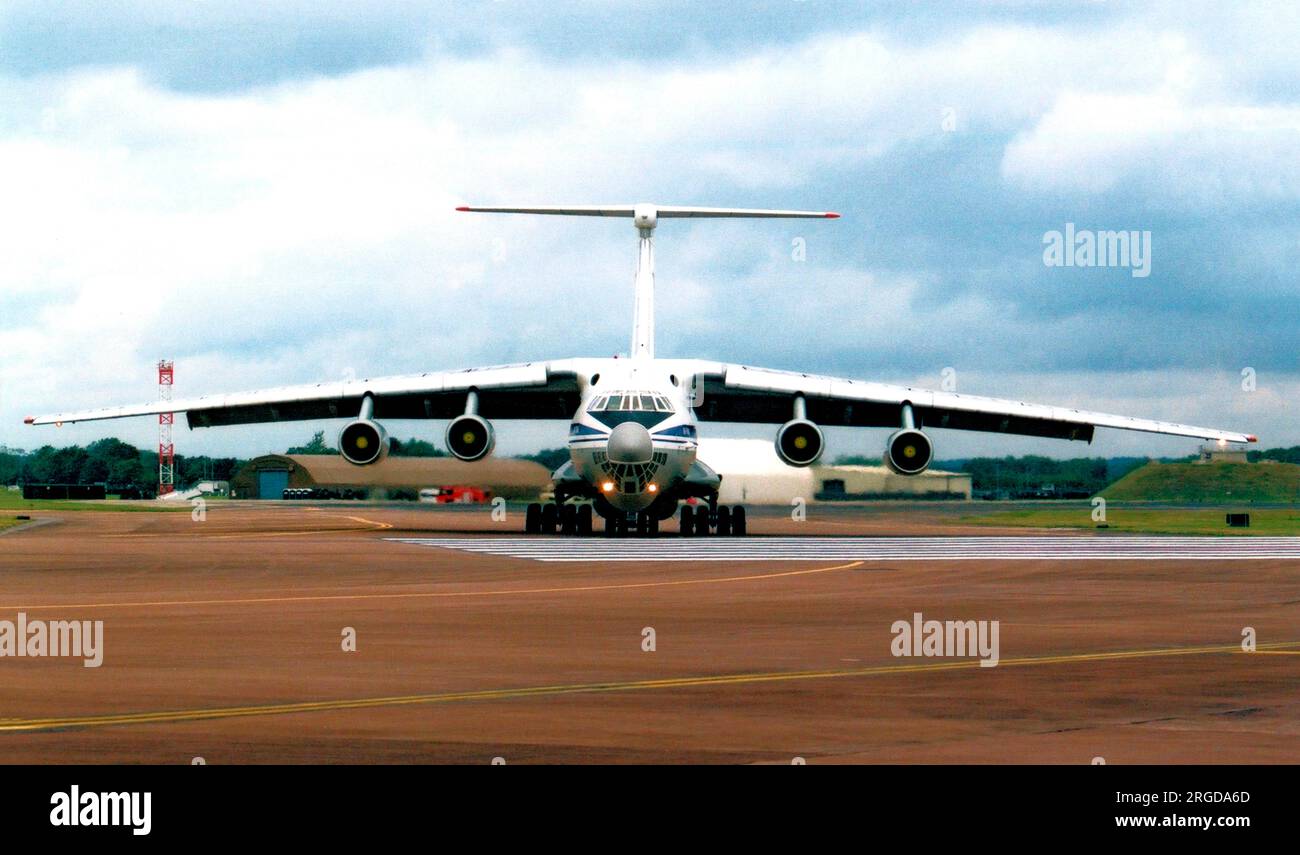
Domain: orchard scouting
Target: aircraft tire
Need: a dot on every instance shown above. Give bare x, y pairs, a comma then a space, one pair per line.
724, 520
550, 516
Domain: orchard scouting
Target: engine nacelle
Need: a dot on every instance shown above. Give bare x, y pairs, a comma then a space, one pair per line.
909, 452
363, 442
799, 442
470, 437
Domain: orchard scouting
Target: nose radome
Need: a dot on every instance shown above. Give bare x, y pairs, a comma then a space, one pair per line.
630, 443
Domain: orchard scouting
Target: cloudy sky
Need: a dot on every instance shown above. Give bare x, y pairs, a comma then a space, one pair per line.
265, 193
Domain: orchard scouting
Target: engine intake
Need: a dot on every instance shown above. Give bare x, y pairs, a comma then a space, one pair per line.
470, 437
909, 452
363, 442
799, 442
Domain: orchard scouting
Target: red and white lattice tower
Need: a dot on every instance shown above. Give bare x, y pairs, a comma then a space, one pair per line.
166, 450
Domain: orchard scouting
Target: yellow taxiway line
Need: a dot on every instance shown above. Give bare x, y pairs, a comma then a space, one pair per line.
20, 725
371, 525
501, 592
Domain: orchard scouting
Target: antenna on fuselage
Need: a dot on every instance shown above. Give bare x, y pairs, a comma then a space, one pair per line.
646, 217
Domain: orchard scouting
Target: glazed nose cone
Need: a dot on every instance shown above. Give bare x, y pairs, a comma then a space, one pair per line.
630, 443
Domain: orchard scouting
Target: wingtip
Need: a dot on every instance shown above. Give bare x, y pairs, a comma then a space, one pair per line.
831, 215
462, 207
1250, 437
30, 420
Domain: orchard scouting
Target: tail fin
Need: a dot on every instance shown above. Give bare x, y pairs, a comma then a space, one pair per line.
645, 217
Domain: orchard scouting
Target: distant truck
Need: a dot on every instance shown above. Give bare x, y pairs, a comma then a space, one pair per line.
456, 495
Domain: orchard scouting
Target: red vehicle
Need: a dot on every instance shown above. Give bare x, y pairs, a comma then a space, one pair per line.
456, 495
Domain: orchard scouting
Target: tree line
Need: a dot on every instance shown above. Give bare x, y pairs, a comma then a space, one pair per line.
121, 466
399, 448
118, 465
1030, 475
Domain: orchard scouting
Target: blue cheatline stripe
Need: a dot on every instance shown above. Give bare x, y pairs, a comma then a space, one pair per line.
1030, 548
602, 440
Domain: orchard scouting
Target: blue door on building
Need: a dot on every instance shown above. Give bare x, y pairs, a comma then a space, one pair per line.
271, 483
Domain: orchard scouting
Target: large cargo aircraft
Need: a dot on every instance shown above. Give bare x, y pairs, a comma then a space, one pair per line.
634, 421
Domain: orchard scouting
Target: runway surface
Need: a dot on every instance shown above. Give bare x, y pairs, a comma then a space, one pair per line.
222, 640
1026, 548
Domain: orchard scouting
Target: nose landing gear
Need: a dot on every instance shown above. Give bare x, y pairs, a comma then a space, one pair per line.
641, 524
577, 521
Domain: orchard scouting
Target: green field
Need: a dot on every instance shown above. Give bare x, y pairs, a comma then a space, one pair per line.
1214, 483
12, 500
1263, 521
7, 521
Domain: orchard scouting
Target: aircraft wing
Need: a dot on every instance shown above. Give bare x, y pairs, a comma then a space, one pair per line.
532, 390
739, 393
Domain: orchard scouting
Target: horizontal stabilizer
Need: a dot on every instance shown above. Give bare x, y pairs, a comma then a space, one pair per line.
660, 210
645, 217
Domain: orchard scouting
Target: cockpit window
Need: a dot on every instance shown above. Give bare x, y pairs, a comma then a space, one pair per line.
630, 402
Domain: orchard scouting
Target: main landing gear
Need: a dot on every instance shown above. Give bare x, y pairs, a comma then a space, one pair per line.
713, 519
551, 518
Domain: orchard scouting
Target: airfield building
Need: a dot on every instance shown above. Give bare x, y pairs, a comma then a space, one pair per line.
1228, 453
753, 474
269, 476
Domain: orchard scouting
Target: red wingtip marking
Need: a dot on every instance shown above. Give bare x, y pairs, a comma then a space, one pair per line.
832, 216
30, 420
463, 208
1250, 437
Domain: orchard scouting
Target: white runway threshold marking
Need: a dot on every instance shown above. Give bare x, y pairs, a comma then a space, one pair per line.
1086, 548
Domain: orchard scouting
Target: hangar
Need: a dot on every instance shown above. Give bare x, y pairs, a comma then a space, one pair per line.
268, 476
753, 474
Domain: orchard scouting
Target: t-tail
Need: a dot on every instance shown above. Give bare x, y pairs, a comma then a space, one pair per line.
645, 217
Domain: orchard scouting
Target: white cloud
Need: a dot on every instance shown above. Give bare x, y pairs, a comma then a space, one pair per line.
1161, 146
289, 232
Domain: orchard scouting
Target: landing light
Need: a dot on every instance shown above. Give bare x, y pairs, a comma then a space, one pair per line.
653, 488
608, 486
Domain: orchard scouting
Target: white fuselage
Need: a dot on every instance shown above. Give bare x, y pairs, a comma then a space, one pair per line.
661, 404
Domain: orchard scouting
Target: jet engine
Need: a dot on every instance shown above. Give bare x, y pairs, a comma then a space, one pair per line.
470, 437
799, 442
363, 442
908, 452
